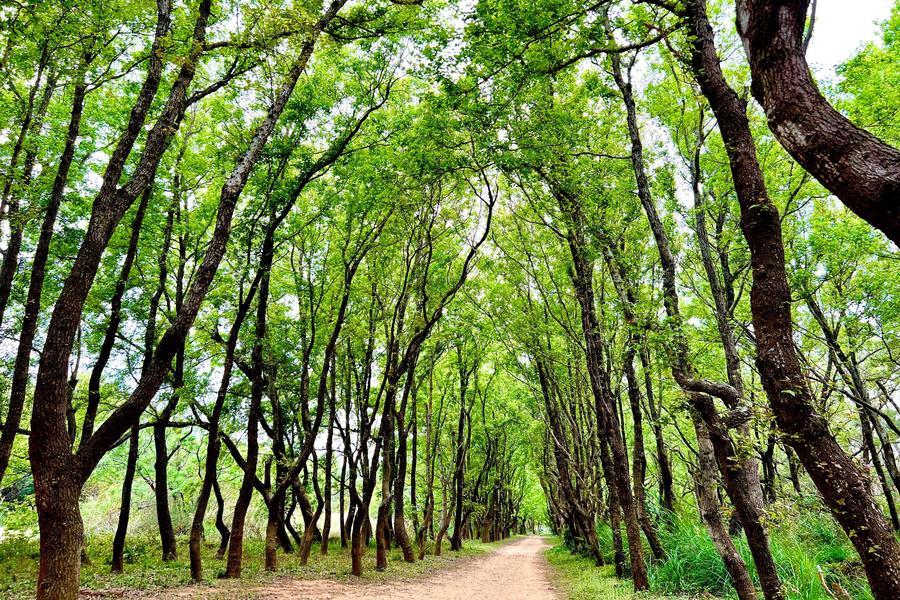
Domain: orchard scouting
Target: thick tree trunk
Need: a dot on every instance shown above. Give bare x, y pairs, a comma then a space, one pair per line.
844, 488
49, 442
859, 168
62, 537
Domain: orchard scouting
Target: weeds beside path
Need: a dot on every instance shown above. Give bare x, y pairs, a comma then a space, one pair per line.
578, 578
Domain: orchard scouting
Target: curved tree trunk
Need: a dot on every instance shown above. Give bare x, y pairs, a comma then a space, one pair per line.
708, 503
856, 166
844, 488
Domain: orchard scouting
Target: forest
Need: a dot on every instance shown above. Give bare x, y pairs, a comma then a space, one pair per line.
400, 298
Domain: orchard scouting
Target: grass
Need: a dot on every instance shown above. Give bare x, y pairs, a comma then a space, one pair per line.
803, 543
579, 579
144, 569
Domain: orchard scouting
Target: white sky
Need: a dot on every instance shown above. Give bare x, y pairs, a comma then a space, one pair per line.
843, 27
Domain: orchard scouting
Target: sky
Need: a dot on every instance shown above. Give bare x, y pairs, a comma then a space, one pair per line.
843, 27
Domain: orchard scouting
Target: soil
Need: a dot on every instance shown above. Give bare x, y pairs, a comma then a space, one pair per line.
515, 571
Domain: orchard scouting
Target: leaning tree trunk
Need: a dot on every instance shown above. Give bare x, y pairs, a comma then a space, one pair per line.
740, 475
708, 503
857, 167
844, 488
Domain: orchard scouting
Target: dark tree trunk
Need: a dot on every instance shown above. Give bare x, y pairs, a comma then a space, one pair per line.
859, 168
400, 534
161, 491
58, 478
844, 488
708, 503
10, 197
257, 383
19, 384
118, 546
607, 418
329, 459
115, 315
459, 464
740, 475
666, 479
224, 533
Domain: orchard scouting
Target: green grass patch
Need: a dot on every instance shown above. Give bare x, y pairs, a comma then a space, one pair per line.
577, 578
804, 543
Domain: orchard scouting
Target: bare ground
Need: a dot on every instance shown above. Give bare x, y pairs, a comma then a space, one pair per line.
515, 571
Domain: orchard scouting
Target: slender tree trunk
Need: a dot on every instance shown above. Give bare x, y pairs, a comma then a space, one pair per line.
329, 459
400, 533
607, 418
663, 466
19, 386
639, 459
236, 542
741, 476
115, 316
224, 533
11, 193
459, 465
708, 503
161, 491
118, 546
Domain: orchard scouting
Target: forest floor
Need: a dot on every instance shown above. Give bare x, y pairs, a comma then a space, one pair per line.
514, 570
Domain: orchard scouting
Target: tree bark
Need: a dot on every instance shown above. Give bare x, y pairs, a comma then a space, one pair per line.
843, 486
708, 503
118, 546
741, 476
19, 386
860, 169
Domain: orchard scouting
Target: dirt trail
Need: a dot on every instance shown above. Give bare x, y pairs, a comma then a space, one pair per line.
515, 571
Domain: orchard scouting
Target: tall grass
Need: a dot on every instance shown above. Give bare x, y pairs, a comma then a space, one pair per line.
802, 543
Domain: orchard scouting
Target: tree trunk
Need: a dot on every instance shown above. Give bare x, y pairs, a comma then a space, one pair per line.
19, 385
708, 503
853, 164
400, 534
161, 492
843, 487
740, 476
118, 546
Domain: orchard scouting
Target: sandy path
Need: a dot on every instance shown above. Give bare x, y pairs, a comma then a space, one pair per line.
515, 571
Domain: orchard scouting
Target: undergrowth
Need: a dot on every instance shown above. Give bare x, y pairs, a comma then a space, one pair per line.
802, 545
145, 570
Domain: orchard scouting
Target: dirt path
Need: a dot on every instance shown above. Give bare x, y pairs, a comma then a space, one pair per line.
515, 571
